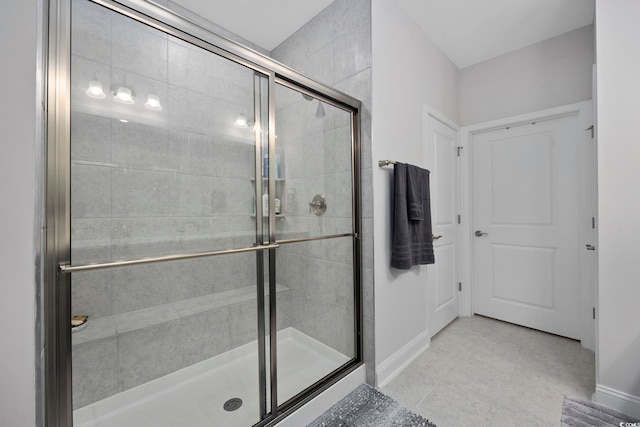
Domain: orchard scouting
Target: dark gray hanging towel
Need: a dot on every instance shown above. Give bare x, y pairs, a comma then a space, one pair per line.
412, 238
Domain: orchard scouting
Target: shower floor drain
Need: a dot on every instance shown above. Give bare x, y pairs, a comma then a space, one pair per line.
232, 404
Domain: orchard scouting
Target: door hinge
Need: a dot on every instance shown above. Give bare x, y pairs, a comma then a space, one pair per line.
591, 248
593, 222
592, 129
459, 286
594, 312
459, 220
459, 148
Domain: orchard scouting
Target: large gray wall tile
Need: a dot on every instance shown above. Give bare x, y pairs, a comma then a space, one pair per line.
234, 83
244, 323
140, 146
352, 52
349, 14
94, 371
191, 67
318, 32
139, 193
91, 294
205, 335
91, 191
149, 353
90, 240
143, 286
138, 48
322, 62
90, 138
191, 111
91, 31
367, 243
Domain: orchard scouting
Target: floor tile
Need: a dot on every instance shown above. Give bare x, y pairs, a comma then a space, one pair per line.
481, 371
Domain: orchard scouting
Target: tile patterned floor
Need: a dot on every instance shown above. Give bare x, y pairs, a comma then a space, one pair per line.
484, 372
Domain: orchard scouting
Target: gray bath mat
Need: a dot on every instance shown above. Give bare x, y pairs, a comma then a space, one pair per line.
582, 413
367, 407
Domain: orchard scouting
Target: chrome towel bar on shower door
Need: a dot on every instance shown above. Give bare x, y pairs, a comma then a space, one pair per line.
65, 268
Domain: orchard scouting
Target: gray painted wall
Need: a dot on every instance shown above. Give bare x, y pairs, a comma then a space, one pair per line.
18, 228
548, 74
409, 72
618, 102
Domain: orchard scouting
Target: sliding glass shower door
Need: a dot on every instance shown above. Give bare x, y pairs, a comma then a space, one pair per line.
206, 228
164, 137
314, 154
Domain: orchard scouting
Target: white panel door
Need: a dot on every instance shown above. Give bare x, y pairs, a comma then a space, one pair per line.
526, 225
442, 277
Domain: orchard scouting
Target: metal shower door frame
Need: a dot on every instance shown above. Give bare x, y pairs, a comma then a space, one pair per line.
58, 399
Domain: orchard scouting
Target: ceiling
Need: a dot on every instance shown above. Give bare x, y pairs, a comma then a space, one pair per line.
472, 31
467, 31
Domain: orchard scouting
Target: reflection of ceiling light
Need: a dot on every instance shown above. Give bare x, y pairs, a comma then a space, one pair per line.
124, 120
95, 90
241, 122
153, 102
124, 95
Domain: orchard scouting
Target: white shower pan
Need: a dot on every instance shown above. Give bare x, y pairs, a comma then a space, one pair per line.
195, 396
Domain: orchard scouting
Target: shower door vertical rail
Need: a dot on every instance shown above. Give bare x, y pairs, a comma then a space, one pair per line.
273, 326
357, 228
321, 232
260, 239
262, 373
56, 292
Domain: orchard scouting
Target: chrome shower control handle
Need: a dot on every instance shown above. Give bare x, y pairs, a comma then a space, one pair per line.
318, 205
479, 233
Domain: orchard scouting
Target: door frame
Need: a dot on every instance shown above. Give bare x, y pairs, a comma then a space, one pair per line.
437, 115
587, 208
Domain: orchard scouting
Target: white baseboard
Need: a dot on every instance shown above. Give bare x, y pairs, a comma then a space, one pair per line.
620, 401
390, 368
325, 400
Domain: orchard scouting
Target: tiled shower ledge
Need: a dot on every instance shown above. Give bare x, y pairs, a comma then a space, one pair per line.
105, 327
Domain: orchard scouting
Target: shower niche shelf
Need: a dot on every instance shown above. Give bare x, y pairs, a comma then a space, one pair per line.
280, 191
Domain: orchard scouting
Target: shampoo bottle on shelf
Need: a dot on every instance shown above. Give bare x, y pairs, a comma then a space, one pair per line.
265, 203
265, 166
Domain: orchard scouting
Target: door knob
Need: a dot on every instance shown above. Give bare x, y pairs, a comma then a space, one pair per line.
435, 237
480, 233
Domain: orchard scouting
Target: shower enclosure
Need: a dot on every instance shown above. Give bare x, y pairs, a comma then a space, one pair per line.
203, 225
